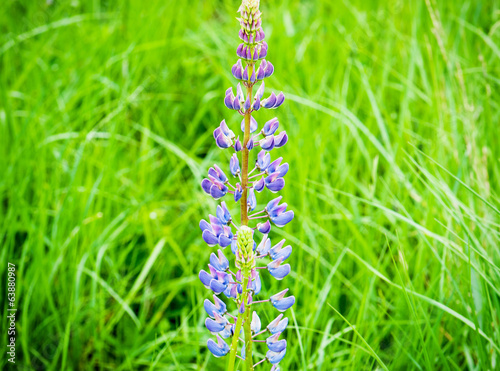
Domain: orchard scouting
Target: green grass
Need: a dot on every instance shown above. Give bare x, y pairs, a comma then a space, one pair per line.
106, 116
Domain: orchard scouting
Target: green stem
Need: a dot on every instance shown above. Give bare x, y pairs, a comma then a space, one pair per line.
245, 318
234, 343
248, 339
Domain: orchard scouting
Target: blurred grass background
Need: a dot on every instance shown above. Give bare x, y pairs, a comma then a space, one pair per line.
106, 116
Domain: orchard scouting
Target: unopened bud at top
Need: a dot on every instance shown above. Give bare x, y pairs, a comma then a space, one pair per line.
250, 4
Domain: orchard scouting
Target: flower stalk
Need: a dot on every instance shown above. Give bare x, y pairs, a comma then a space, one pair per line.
241, 287
245, 155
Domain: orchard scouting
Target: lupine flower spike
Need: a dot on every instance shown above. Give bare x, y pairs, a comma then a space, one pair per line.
236, 328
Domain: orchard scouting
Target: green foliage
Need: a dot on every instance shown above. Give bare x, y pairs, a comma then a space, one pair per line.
106, 116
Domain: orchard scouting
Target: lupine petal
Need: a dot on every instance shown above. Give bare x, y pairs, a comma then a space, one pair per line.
238, 192
273, 203
263, 52
224, 241
234, 165
236, 104
227, 332
264, 246
282, 253
261, 73
219, 306
250, 144
283, 218
279, 296
264, 228
267, 143
234, 246
217, 286
223, 213
270, 127
215, 222
283, 169
258, 185
225, 129
223, 142
281, 139
256, 104
252, 201
217, 132
228, 101
205, 278
274, 357
260, 91
248, 104
272, 178
237, 145
280, 272
214, 326
255, 56
210, 238
257, 285
283, 304
239, 93
217, 193
269, 102
205, 225
273, 166
278, 325
231, 291
277, 346
239, 50
255, 325
269, 69
206, 184
278, 210
236, 71
279, 100
219, 262
245, 74
218, 349
263, 160
252, 77
277, 185
274, 344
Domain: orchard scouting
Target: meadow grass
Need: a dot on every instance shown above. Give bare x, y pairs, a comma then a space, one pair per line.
106, 116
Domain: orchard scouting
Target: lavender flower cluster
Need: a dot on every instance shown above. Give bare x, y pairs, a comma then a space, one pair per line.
244, 284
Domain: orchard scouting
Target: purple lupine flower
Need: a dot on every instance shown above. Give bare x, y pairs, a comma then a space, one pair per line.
277, 270
280, 302
274, 344
256, 325
263, 160
278, 325
270, 127
217, 324
278, 251
264, 246
218, 349
274, 357
264, 228
218, 307
277, 213
244, 286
